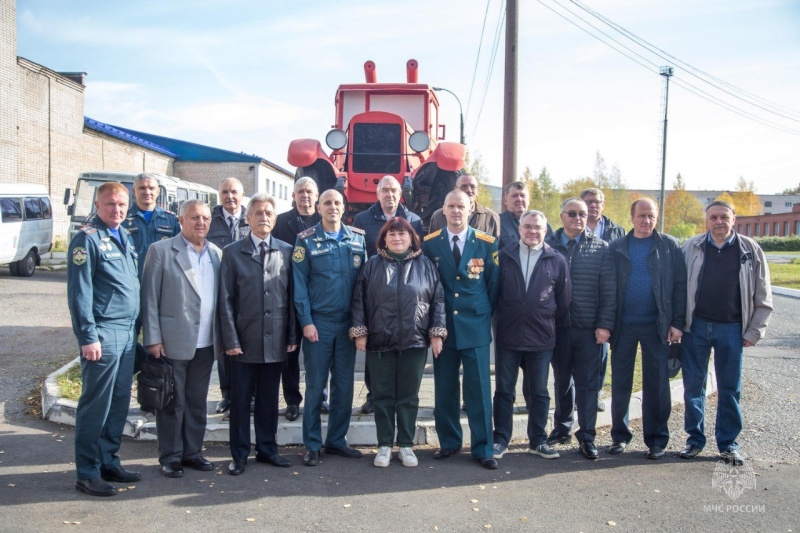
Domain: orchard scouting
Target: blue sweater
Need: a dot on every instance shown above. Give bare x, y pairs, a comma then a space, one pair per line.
640, 306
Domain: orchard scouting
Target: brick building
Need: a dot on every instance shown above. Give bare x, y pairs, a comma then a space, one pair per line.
777, 225
46, 139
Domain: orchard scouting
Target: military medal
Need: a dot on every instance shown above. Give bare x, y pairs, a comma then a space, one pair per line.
474, 268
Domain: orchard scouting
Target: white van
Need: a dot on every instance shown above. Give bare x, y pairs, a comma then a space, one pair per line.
172, 193
26, 226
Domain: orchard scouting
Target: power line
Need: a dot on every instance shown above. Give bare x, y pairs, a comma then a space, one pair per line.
495, 48
725, 87
685, 84
478, 57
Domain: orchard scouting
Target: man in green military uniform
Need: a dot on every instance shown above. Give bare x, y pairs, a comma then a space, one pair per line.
327, 259
103, 298
147, 223
467, 261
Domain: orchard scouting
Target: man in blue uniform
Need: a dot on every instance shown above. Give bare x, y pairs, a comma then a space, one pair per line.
147, 223
327, 259
467, 261
103, 298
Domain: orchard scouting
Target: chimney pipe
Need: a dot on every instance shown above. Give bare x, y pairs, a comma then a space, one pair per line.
369, 72
412, 74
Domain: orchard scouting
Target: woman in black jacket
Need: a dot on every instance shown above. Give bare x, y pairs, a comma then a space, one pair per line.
398, 311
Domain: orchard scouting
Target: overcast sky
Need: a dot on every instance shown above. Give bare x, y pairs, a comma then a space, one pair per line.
253, 75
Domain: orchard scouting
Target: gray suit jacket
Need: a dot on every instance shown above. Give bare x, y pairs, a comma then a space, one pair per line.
170, 298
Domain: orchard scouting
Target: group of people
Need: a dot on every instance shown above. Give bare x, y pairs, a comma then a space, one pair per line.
249, 287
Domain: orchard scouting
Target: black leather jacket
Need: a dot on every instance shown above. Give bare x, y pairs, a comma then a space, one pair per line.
398, 305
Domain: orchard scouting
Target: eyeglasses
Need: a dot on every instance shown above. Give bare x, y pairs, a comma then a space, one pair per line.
573, 214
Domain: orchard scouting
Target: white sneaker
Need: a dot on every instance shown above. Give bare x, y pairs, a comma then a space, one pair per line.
384, 457
407, 456
498, 450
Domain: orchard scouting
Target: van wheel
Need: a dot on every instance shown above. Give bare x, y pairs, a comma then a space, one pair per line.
26, 266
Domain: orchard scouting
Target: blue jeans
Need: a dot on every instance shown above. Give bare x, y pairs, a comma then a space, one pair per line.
335, 354
726, 339
576, 366
656, 402
537, 366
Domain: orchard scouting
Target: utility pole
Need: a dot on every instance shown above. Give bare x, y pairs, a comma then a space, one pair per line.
666, 72
510, 95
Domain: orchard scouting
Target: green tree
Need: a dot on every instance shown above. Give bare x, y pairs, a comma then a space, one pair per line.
545, 197
683, 213
796, 190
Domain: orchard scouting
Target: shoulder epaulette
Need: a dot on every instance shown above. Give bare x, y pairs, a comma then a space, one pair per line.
430, 236
88, 229
484, 236
306, 233
357, 230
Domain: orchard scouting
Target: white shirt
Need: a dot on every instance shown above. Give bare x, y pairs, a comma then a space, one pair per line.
462, 238
528, 257
204, 275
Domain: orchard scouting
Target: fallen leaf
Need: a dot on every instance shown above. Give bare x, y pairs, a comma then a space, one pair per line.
66, 521
250, 519
346, 505
131, 487
487, 526
656, 490
475, 509
612, 523
121, 489
77, 523
12, 484
436, 528
508, 472
473, 501
523, 518
480, 487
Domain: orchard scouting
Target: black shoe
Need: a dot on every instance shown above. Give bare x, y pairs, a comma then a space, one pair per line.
489, 462
198, 463
326, 408
95, 487
172, 470
117, 474
223, 406
690, 452
656, 452
236, 468
292, 412
588, 450
311, 458
367, 408
554, 440
274, 460
732, 457
444, 453
344, 451
617, 448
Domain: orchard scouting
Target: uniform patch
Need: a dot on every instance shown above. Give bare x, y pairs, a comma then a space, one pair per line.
356, 261
89, 229
474, 268
430, 236
496, 258
307, 233
484, 236
79, 255
357, 230
299, 254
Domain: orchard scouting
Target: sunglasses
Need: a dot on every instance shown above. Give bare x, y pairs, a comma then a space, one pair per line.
573, 214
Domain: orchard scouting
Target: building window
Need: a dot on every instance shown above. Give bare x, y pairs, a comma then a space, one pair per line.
747, 231
755, 229
786, 229
776, 229
766, 229
788, 204
767, 204
797, 227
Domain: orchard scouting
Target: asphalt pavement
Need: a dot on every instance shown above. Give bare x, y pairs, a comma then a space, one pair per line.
527, 493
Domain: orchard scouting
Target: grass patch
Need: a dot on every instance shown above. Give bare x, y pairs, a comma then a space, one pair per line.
59, 245
786, 275
69, 383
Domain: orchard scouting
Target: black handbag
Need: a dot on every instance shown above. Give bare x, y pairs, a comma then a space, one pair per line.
155, 384
674, 360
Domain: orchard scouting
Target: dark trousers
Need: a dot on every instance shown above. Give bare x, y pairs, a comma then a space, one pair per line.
397, 375
576, 364
104, 402
601, 379
367, 380
507, 365
333, 354
263, 380
477, 396
181, 430
224, 373
290, 376
656, 402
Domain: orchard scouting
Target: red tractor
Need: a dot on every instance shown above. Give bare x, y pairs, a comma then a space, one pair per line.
384, 129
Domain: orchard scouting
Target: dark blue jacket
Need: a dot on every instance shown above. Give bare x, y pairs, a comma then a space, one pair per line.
162, 225
668, 274
526, 316
373, 219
